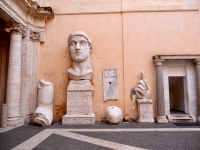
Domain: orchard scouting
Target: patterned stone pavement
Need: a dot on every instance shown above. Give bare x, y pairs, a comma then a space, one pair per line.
102, 136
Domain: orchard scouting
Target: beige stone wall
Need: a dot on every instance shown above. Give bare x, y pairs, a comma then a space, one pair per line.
105, 31
123, 39
155, 33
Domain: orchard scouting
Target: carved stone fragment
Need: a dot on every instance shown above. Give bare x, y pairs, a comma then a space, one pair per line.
34, 36
141, 93
80, 46
44, 110
79, 91
114, 114
110, 84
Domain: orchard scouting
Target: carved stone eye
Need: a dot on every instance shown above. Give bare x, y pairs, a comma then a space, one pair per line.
82, 42
73, 43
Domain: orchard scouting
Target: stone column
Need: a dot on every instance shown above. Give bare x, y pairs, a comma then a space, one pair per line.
14, 74
4, 115
161, 117
198, 85
29, 74
24, 69
34, 44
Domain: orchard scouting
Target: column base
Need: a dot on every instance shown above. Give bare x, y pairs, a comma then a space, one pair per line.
78, 119
161, 119
198, 119
14, 122
29, 119
145, 120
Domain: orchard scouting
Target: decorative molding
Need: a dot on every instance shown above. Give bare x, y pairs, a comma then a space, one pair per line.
26, 12
36, 9
197, 61
121, 6
34, 36
16, 28
158, 62
191, 57
159, 5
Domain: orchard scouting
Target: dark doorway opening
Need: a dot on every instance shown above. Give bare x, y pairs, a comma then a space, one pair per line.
176, 95
4, 53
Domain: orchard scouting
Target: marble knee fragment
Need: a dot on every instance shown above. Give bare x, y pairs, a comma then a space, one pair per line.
44, 110
114, 114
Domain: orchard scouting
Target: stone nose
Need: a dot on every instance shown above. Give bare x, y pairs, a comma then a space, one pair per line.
78, 46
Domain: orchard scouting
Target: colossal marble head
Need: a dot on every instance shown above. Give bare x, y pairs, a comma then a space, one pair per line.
80, 46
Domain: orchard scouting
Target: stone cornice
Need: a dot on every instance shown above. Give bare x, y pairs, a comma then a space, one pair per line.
17, 10
121, 6
170, 57
9, 14
34, 8
197, 61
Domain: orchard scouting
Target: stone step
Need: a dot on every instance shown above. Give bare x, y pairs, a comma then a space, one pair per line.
181, 118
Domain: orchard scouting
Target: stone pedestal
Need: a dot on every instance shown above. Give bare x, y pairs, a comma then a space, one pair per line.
145, 110
79, 104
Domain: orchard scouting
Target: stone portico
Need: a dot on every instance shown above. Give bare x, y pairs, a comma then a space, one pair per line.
25, 21
187, 67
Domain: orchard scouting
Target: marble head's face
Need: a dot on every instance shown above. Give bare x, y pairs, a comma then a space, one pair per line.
79, 48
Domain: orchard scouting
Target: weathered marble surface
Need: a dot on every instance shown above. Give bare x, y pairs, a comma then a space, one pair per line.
142, 89
44, 110
145, 110
79, 103
79, 91
110, 84
114, 114
80, 46
14, 73
141, 93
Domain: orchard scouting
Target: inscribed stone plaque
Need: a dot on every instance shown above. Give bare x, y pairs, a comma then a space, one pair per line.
145, 110
110, 85
79, 102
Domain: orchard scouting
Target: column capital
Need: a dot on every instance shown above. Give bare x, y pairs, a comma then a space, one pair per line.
197, 61
34, 36
158, 62
16, 28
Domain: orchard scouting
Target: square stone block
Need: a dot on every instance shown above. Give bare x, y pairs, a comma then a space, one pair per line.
79, 104
78, 119
145, 110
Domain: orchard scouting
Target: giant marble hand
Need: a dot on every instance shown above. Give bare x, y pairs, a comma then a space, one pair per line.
80, 46
142, 89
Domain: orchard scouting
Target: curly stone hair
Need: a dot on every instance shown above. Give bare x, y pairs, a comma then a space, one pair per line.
80, 33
